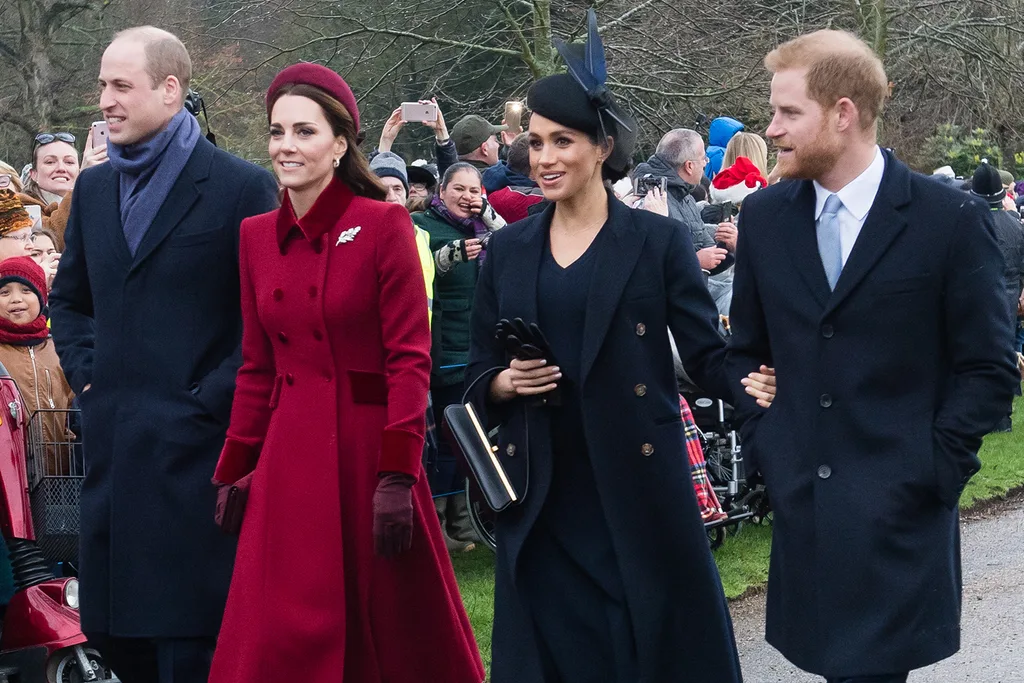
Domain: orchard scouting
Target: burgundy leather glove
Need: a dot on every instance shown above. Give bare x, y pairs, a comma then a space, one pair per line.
231, 502
392, 514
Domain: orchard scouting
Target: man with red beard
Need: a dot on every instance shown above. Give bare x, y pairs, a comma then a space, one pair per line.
871, 290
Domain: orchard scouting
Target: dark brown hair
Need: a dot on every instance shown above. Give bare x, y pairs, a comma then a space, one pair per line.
354, 169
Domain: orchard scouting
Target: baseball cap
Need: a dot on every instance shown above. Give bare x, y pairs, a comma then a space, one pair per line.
472, 131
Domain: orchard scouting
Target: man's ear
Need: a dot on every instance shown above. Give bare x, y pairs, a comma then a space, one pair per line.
172, 91
848, 115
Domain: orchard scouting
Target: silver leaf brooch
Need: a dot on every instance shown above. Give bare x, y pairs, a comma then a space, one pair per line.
348, 235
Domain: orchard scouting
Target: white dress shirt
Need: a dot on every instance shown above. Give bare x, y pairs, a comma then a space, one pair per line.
857, 198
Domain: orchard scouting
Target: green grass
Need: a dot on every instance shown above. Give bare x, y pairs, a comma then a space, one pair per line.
743, 559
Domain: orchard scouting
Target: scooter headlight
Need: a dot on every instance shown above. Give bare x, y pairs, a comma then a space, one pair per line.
71, 593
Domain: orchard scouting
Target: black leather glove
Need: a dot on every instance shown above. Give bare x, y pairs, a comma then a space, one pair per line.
527, 342
393, 514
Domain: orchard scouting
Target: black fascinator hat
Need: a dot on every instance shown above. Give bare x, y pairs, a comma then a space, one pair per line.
580, 99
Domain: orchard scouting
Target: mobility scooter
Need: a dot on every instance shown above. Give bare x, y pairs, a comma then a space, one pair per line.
41, 473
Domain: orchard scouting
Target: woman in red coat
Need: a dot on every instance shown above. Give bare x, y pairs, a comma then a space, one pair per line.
341, 573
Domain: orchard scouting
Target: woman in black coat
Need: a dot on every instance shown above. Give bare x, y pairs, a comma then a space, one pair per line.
603, 570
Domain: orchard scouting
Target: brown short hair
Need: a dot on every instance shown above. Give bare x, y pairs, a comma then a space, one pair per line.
839, 64
165, 55
354, 169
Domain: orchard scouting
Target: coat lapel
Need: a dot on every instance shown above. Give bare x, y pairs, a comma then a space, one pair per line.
883, 224
801, 238
617, 256
519, 284
182, 197
111, 216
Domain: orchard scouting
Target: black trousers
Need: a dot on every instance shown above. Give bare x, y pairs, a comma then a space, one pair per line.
886, 678
156, 660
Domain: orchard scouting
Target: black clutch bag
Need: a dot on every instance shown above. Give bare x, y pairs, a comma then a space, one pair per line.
481, 455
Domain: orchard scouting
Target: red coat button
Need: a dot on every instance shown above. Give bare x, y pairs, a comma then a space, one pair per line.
278, 294
283, 337
290, 379
312, 292
318, 335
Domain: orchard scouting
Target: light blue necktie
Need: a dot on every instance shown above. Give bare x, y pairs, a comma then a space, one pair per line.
829, 246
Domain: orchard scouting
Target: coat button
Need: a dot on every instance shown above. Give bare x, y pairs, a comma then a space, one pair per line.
278, 294
328, 376
290, 379
318, 246
312, 292
827, 331
318, 335
641, 329
640, 390
826, 401
824, 472
647, 449
510, 450
283, 337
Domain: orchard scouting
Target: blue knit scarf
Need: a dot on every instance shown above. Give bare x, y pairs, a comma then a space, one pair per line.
148, 171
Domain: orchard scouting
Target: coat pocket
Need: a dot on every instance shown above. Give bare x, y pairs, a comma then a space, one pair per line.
368, 388
275, 393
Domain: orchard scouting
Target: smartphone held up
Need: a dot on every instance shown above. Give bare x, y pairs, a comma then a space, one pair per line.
419, 112
514, 117
99, 134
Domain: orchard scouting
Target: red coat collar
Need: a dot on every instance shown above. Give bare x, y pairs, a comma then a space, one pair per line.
319, 220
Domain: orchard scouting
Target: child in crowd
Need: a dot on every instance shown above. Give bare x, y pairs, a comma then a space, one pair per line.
27, 353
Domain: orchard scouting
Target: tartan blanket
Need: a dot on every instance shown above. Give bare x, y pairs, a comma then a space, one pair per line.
707, 501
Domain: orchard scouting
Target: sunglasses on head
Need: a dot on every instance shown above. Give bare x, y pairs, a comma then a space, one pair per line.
47, 138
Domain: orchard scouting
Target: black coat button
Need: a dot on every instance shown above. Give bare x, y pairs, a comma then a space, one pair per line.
641, 329
824, 472
827, 331
640, 390
511, 450
826, 401
647, 450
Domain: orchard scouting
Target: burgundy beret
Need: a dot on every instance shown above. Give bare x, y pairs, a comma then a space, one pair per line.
319, 77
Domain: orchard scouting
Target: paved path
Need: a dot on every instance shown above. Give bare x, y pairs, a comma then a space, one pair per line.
992, 650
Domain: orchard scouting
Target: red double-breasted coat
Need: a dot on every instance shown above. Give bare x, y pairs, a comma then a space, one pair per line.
332, 391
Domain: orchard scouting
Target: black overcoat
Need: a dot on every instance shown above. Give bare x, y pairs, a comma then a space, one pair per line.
646, 282
886, 386
157, 336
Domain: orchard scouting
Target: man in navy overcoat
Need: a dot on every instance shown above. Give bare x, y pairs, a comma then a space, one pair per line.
877, 295
147, 322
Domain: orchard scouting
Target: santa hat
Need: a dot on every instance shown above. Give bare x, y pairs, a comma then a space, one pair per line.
736, 182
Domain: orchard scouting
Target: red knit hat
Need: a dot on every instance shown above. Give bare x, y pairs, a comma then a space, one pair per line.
736, 182
26, 271
319, 77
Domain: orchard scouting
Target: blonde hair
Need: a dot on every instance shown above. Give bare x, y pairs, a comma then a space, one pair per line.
839, 64
7, 169
165, 55
749, 145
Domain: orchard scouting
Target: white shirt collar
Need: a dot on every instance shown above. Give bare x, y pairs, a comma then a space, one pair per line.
859, 194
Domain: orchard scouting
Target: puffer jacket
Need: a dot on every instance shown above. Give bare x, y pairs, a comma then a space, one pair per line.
453, 302
36, 370
681, 206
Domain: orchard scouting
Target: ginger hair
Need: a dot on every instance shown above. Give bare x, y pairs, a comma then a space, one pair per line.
839, 64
